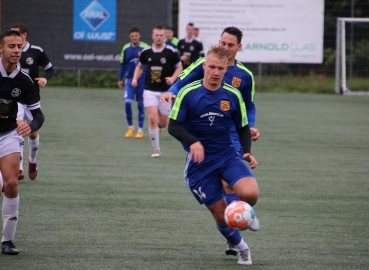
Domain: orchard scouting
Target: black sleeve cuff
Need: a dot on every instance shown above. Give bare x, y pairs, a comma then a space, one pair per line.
177, 131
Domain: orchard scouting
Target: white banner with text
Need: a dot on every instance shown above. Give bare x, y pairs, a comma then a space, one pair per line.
274, 31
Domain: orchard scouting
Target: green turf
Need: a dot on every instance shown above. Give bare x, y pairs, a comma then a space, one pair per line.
101, 202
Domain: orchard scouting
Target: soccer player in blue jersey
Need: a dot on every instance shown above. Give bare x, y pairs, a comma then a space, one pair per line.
201, 119
129, 59
239, 77
169, 37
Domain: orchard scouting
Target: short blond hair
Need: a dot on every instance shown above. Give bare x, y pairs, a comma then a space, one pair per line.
219, 52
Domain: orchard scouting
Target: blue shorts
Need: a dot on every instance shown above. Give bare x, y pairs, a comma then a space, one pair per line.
204, 179
130, 92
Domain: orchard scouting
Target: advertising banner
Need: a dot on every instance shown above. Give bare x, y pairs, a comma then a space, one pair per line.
94, 20
274, 31
85, 34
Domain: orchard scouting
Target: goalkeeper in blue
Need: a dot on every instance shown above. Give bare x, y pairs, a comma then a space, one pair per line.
239, 77
202, 117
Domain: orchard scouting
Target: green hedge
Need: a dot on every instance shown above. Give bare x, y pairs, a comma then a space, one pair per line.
312, 83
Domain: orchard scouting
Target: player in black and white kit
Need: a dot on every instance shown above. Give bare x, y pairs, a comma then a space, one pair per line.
190, 49
32, 58
15, 86
163, 66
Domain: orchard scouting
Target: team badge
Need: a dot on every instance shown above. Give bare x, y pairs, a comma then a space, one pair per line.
192, 48
29, 60
225, 105
16, 92
163, 60
236, 82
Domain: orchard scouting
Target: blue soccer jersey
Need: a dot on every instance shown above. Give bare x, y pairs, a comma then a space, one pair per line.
209, 115
237, 75
129, 59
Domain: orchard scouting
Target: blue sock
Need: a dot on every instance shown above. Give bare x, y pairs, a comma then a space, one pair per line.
231, 197
141, 114
232, 236
129, 113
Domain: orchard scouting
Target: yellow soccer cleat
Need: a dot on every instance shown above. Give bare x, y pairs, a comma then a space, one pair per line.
130, 132
139, 135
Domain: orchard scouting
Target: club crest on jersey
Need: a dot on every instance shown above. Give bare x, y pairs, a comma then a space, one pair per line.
29, 60
16, 92
225, 105
192, 48
236, 82
163, 60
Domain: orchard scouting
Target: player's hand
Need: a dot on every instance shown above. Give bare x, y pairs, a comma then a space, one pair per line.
184, 58
23, 128
197, 152
168, 97
169, 80
254, 134
251, 160
120, 84
134, 83
41, 81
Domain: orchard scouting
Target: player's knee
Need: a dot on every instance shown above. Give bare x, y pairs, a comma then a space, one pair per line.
248, 191
33, 135
11, 187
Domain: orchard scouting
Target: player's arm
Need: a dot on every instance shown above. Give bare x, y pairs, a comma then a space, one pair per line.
173, 78
248, 95
201, 50
25, 129
45, 63
38, 119
137, 74
245, 138
176, 129
122, 68
244, 134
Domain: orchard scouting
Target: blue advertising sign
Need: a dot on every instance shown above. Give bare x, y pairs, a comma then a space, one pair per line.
94, 20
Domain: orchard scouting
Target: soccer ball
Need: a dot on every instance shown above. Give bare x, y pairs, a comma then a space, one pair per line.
239, 215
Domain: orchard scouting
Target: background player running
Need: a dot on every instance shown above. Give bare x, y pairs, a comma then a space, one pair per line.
163, 66
129, 58
33, 57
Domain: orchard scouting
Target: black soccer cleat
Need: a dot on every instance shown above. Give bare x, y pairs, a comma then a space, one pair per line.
8, 248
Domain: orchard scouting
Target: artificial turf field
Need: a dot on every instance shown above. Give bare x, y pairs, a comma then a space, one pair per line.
101, 202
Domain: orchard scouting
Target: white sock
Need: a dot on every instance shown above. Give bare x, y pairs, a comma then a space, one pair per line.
154, 136
242, 245
21, 155
140, 130
33, 148
10, 218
